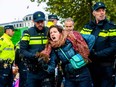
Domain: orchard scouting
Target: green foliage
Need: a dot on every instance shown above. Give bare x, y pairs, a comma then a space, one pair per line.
1, 31
79, 10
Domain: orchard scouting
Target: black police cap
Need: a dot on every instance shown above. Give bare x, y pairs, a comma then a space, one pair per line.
99, 5
38, 16
53, 17
9, 27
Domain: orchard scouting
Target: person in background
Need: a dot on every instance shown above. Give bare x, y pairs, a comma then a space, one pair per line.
104, 49
52, 20
69, 25
7, 55
71, 44
33, 41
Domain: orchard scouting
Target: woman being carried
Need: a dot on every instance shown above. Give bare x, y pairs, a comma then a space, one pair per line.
63, 44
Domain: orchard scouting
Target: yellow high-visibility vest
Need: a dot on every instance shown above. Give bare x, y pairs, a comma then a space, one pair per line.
6, 48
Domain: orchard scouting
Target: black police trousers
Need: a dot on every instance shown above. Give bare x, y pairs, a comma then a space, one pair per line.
6, 77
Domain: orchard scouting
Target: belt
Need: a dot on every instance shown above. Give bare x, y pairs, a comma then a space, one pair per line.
1, 59
5, 63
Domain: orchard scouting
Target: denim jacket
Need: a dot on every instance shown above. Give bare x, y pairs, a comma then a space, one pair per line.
68, 49
90, 40
56, 54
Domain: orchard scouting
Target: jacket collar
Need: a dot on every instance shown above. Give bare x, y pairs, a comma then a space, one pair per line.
100, 23
6, 36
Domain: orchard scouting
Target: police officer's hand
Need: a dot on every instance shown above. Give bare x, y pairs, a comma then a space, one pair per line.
42, 63
37, 55
43, 56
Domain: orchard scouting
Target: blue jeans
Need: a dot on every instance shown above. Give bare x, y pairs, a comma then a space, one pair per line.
80, 78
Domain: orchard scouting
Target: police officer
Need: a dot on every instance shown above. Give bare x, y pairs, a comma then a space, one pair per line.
52, 20
32, 42
103, 52
7, 55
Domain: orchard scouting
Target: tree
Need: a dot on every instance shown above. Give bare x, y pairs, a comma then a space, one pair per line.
79, 10
1, 31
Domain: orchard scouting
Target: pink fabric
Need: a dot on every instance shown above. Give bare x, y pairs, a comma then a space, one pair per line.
16, 83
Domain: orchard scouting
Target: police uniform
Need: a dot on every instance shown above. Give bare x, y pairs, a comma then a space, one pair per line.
103, 52
7, 55
34, 41
50, 20
20, 62
52, 17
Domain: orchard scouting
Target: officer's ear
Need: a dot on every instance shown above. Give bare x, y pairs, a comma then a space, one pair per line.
93, 13
32, 20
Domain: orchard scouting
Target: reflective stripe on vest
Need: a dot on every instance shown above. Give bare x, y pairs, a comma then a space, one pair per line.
105, 33
26, 37
102, 33
86, 31
35, 40
8, 49
38, 40
112, 32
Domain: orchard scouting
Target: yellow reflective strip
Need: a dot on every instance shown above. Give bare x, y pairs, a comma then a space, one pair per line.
34, 37
86, 31
112, 32
26, 37
44, 41
17, 47
38, 41
35, 42
103, 34
38, 37
26, 34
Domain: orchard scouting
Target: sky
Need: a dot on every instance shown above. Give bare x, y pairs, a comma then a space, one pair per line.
14, 10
